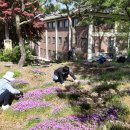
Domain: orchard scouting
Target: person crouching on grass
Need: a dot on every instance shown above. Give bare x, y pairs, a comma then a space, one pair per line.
61, 74
7, 92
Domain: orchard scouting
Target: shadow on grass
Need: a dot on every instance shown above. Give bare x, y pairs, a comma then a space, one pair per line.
102, 72
74, 97
119, 127
106, 87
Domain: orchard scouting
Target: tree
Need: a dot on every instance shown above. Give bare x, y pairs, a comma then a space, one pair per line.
67, 10
21, 12
67, 7
109, 11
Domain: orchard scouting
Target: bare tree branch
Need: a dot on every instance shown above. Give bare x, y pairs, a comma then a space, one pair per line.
28, 4
31, 3
28, 21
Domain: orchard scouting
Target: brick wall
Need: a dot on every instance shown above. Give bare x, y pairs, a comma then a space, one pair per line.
100, 43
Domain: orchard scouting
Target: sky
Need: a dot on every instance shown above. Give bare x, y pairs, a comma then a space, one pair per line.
61, 5
54, 1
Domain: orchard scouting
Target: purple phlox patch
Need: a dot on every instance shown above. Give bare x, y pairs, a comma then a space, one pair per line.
29, 104
19, 81
38, 71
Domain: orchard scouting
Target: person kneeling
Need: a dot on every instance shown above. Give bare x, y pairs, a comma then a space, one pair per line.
7, 92
61, 74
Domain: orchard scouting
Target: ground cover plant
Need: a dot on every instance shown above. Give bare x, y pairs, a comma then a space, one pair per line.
100, 101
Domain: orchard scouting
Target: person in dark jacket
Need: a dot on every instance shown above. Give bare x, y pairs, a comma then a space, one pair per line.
61, 74
121, 59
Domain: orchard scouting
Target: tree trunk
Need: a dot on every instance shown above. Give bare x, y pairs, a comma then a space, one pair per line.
74, 43
72, 38
21, 43
70, 32
6, 30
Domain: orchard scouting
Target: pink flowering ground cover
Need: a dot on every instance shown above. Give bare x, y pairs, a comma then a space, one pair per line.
88, 122
39, 93
19, 83
38, 71
33, 99
29, 104
63, 123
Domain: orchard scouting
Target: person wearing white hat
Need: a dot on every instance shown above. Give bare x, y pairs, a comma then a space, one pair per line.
7, 92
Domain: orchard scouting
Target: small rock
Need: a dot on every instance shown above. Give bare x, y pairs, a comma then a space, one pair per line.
90, 101
100, 101
8, 65
112, 92
94, 94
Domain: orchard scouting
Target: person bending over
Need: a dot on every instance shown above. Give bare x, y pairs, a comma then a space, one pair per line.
7, 92
61, 74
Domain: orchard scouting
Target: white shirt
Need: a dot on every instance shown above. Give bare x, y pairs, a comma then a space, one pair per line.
5, 85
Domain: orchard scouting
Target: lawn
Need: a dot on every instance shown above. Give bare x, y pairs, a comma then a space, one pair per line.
99, 102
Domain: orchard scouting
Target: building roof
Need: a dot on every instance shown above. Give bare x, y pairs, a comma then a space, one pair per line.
53, 16
58, 15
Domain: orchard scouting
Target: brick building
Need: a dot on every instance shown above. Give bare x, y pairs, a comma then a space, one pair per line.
90, 40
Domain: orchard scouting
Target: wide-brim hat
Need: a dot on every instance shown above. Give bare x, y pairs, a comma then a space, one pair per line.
9, 76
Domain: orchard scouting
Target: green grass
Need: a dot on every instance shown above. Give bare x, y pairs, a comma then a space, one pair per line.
22, 115
117, 126
50, 97
120, 76
32, 123
115, 101
17, 73
105, 87
66, 111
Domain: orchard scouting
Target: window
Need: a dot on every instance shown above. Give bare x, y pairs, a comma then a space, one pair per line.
44, 39
111, 41
60, 40
66, 40
44, 52
110, 44
53, 24
49, 53
49, 40
75, 21
66, 22
49, 25
54, 54
41, 52
53, 40
60, 23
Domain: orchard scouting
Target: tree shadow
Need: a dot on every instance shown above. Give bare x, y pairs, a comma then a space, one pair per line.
109, 71
73, 94
105, 87
84, 102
